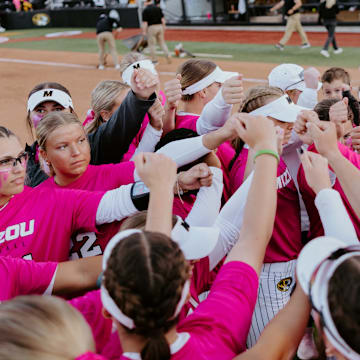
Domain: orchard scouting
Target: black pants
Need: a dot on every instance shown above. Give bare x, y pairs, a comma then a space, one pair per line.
330, 27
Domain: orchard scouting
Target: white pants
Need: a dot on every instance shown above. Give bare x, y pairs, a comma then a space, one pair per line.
276, 283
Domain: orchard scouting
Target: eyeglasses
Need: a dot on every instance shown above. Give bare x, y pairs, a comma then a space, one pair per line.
301, 76
9, 163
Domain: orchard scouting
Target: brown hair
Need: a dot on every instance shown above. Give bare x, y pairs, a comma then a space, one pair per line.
103, 97
336, 73
145, 275
45, 85
343, 297
42, 327
50, 123
256, 97
192, 71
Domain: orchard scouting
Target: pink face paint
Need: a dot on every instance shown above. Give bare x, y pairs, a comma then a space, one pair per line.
36, 118
4, 175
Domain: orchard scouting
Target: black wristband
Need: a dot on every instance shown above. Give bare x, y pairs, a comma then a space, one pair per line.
140, 195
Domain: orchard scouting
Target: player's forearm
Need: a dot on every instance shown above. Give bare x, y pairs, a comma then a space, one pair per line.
277, 6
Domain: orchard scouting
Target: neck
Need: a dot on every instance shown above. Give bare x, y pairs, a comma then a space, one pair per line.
64, 180
135, 343
195, 106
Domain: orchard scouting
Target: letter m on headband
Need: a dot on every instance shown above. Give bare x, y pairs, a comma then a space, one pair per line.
47, 93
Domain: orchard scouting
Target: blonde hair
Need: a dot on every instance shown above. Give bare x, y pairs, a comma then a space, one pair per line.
138, 221
129, 59
49, 124
103, 97
192, 71
256, 97
42, 328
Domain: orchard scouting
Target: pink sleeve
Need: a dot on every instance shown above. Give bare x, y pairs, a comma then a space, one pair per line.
30, 277
352, 156
228, 309
82, 206
90, 307
120, 174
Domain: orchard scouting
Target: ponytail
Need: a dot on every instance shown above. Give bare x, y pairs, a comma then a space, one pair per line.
157, 347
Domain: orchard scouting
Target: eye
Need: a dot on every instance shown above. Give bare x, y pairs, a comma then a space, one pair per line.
6, 162
61, 147
58, 109
40, 111
82, 140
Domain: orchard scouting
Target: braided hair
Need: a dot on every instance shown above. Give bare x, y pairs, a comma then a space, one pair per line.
145, 276
256, 97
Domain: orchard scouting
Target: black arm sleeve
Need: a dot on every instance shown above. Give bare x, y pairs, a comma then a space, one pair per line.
112, 139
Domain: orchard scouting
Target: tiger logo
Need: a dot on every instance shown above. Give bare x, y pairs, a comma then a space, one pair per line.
284, 284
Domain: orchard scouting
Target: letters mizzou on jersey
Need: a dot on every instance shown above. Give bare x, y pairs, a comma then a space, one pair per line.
38, 223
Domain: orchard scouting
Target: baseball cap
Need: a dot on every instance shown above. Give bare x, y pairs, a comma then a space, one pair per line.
43, 95
217, 75
195, 242
282, 109
288, 77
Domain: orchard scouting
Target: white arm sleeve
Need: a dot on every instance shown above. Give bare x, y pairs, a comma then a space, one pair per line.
185, 151
115, 205
308, 98
208, 202
148, 141
230, 221
214, 115
334, 217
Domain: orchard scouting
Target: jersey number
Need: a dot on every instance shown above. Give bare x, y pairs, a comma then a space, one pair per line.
84, 246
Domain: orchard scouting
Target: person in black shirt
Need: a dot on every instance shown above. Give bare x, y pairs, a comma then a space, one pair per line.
327, 13
154, 27
104, 27
291, 8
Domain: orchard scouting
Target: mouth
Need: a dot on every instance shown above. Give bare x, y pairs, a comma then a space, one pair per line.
18, 181
79, 162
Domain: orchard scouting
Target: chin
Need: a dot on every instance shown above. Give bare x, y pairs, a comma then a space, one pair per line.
17, 189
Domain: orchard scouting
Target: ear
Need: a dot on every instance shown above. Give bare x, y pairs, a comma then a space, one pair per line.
105, 115
43, 154
202, 93
106, 314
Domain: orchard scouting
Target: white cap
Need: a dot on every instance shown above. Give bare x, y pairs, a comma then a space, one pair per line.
323, 255
195, 242
59, 96
282, 109
217, 75
288, 77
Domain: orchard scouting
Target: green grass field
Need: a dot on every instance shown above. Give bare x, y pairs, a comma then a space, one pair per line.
240, 52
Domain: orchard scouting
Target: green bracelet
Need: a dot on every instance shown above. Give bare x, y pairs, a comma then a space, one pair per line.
267, 152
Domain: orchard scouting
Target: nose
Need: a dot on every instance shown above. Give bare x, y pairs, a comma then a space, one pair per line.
74, 150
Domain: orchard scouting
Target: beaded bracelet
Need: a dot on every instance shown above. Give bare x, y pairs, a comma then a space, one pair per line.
267, 152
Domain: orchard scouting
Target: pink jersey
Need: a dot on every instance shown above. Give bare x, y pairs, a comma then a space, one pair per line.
37, 223
219, 326
285, 243
308, 195
96, 178
24, 277
135, 143
225, 152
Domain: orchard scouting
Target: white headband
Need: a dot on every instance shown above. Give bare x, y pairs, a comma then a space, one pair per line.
273, 106
59, 96
109, 303
144, 64
322, 278
217, 75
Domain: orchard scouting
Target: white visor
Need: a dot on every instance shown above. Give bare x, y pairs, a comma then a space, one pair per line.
59, 96
107, 301
144, 64
217, 75
282, 109
195, 242
315, 256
